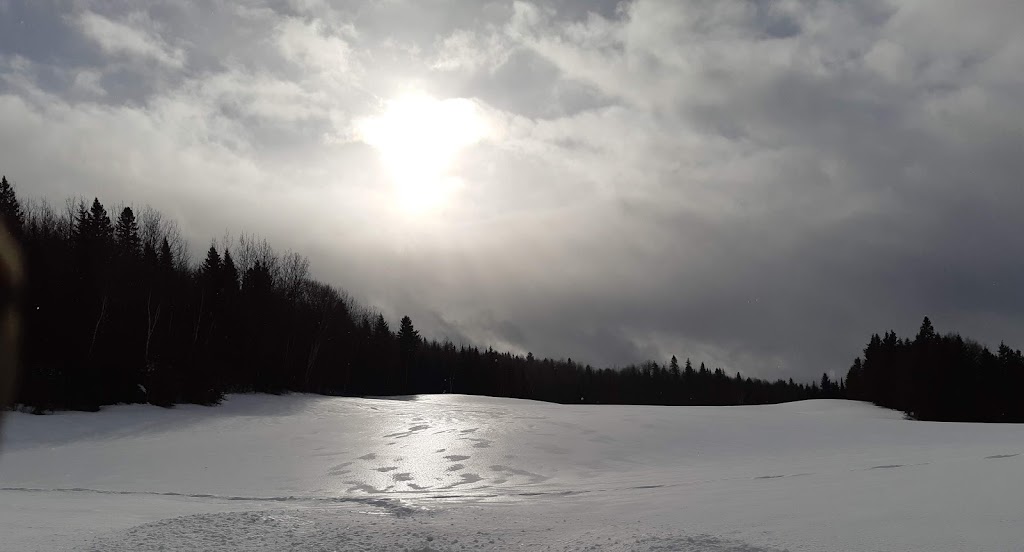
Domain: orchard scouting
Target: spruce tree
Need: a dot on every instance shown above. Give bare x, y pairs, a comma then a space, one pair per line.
81, 224
126, 233
212, 265
229, 274
10, 207
211, 273
99, 226
166, 261
408, 343
927, 331
408, 337
380, 326
675, 374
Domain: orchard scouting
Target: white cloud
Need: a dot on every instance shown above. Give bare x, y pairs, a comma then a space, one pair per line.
469, 50
310, 44
129, 37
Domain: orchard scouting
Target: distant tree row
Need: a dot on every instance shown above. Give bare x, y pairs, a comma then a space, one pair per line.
115, 312
940, 377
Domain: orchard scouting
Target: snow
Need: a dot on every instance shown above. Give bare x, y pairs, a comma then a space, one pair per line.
449, 472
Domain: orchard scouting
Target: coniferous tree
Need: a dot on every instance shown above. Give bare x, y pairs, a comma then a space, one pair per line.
380, 326
10, 207
210, 275
938, 377
211, 271
126, 233
855, 381
97, 225
229, 274
257, 298
408, 343
166, 258
927, 331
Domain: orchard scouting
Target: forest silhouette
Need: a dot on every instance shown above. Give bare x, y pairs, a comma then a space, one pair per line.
115, 312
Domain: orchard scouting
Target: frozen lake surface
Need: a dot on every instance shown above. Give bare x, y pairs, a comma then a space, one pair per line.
450, 472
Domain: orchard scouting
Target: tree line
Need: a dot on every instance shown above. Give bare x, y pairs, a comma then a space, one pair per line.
940, 377
115, 312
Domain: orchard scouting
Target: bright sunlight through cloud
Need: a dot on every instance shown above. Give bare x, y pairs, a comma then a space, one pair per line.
419, 138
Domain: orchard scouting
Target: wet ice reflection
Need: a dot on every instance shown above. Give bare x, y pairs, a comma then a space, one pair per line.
426, 452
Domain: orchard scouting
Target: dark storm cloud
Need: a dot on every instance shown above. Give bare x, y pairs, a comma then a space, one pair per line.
757, 185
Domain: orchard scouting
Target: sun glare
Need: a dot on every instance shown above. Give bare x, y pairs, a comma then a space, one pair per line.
418, 138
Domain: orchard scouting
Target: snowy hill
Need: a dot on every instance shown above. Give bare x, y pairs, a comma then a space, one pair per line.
454, 472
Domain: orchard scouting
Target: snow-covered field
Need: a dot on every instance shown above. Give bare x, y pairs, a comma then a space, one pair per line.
454, 472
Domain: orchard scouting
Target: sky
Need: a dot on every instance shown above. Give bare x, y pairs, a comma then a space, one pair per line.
755, 185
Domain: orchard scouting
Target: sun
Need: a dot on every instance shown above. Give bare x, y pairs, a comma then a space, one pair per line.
419, 138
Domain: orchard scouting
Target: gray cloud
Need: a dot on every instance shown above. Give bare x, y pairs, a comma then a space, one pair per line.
758, 185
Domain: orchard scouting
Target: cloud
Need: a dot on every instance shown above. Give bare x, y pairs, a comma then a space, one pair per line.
754, 185
467, 50
312, 45
89, 82
129, 37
